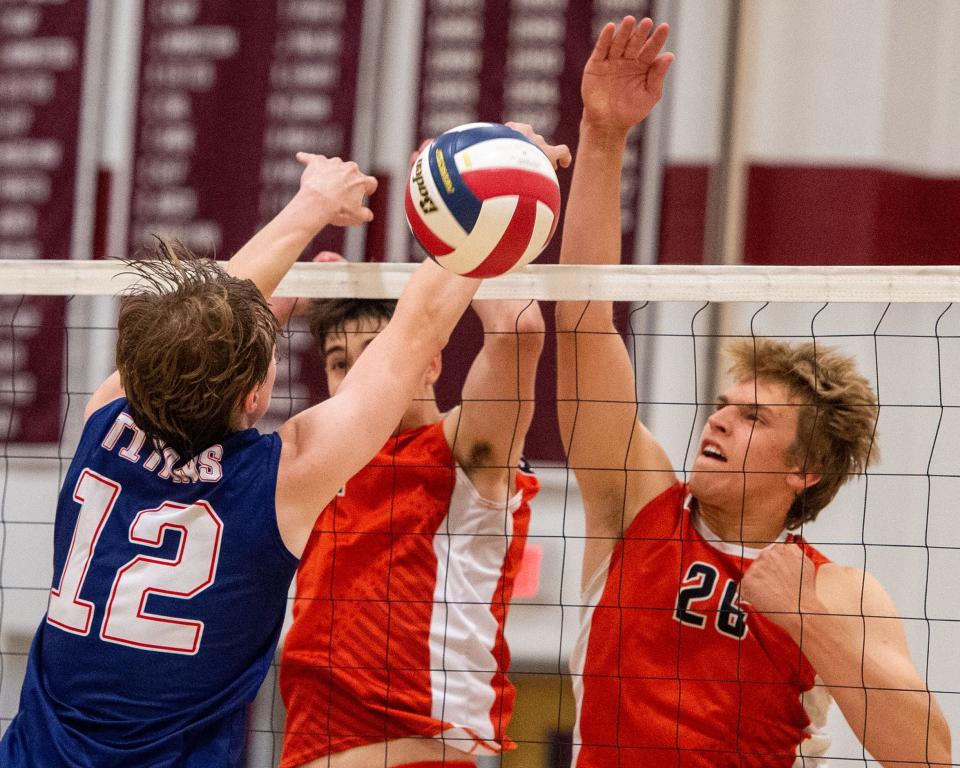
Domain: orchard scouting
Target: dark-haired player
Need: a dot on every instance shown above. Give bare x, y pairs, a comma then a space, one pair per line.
396, 656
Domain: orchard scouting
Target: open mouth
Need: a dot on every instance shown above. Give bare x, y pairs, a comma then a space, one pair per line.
712, 451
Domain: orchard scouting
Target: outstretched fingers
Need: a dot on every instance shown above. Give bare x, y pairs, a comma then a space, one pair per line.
621, 37
602, 49
658, 73
654, 44
638, 38
558, 154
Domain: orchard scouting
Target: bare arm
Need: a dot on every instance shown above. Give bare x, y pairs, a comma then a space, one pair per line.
488, 429
331, 192
848, 628
596, 400
327, 444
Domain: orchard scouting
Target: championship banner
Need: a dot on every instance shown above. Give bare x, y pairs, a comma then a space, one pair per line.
41, 76
520, 60
228, 93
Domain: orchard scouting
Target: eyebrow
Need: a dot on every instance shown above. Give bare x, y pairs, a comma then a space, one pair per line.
334, 348
765, 409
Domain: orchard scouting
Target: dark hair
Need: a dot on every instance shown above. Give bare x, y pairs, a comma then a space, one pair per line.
192, 342
331, 315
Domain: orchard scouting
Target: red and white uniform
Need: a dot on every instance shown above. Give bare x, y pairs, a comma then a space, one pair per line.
402, 595
671, 671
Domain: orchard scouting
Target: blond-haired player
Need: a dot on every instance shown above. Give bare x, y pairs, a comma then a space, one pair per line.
711, 634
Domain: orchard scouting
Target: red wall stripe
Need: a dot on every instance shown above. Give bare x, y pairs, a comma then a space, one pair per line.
683, 214
817, 215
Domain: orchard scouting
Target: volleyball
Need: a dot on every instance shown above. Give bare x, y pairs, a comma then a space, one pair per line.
482, 200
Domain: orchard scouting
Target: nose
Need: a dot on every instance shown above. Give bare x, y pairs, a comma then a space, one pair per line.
718, 420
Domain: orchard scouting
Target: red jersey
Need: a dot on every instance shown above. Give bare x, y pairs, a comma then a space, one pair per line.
402, 595
671, 671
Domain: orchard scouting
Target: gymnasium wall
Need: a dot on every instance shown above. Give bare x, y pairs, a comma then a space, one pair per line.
847, 129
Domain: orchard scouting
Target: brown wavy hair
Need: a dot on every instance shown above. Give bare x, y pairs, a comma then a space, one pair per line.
192, 342
836, 432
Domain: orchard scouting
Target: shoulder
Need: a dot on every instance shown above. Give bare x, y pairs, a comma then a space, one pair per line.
660, 515
853, 592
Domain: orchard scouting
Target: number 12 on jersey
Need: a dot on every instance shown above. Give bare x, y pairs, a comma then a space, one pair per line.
190, 571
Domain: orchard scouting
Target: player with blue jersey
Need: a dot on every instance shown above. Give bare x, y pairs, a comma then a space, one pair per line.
179, 525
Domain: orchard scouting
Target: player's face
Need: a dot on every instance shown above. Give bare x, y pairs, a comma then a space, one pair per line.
342, 348
744, 457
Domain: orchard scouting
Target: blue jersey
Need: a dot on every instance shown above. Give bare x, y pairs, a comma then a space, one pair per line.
169, 592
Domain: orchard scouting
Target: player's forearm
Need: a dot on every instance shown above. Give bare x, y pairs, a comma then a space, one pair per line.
591, 225
886, 704
430, 307
270, 253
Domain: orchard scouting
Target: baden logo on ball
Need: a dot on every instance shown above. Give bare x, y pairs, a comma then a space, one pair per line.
482, 200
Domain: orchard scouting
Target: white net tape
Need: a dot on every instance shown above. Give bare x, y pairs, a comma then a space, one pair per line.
548, 282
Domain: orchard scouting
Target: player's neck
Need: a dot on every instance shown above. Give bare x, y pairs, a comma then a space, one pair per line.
752, 526
422, 411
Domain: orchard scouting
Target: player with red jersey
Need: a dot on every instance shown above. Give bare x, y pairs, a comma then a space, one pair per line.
396, 655
711, 636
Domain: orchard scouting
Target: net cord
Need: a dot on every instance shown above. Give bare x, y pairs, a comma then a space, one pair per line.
550, 282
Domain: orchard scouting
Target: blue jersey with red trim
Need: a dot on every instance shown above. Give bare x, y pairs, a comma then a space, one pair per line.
169, 591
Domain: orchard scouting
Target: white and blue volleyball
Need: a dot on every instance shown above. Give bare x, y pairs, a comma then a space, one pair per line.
482, 200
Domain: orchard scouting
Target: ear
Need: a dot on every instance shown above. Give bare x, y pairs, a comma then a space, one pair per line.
432, 373
799, 481
250, 402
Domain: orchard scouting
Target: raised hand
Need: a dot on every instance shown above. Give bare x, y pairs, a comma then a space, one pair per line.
558, 154
416, 153
623, 79
337, 188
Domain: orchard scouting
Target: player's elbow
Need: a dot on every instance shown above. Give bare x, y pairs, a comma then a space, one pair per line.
568, 315
530, 330
584, 316
530, 321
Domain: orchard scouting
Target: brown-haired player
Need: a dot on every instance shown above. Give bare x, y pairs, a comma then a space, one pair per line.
711, 634
396, 656
179, 525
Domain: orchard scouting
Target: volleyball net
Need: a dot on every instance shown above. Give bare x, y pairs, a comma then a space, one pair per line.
897, 520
